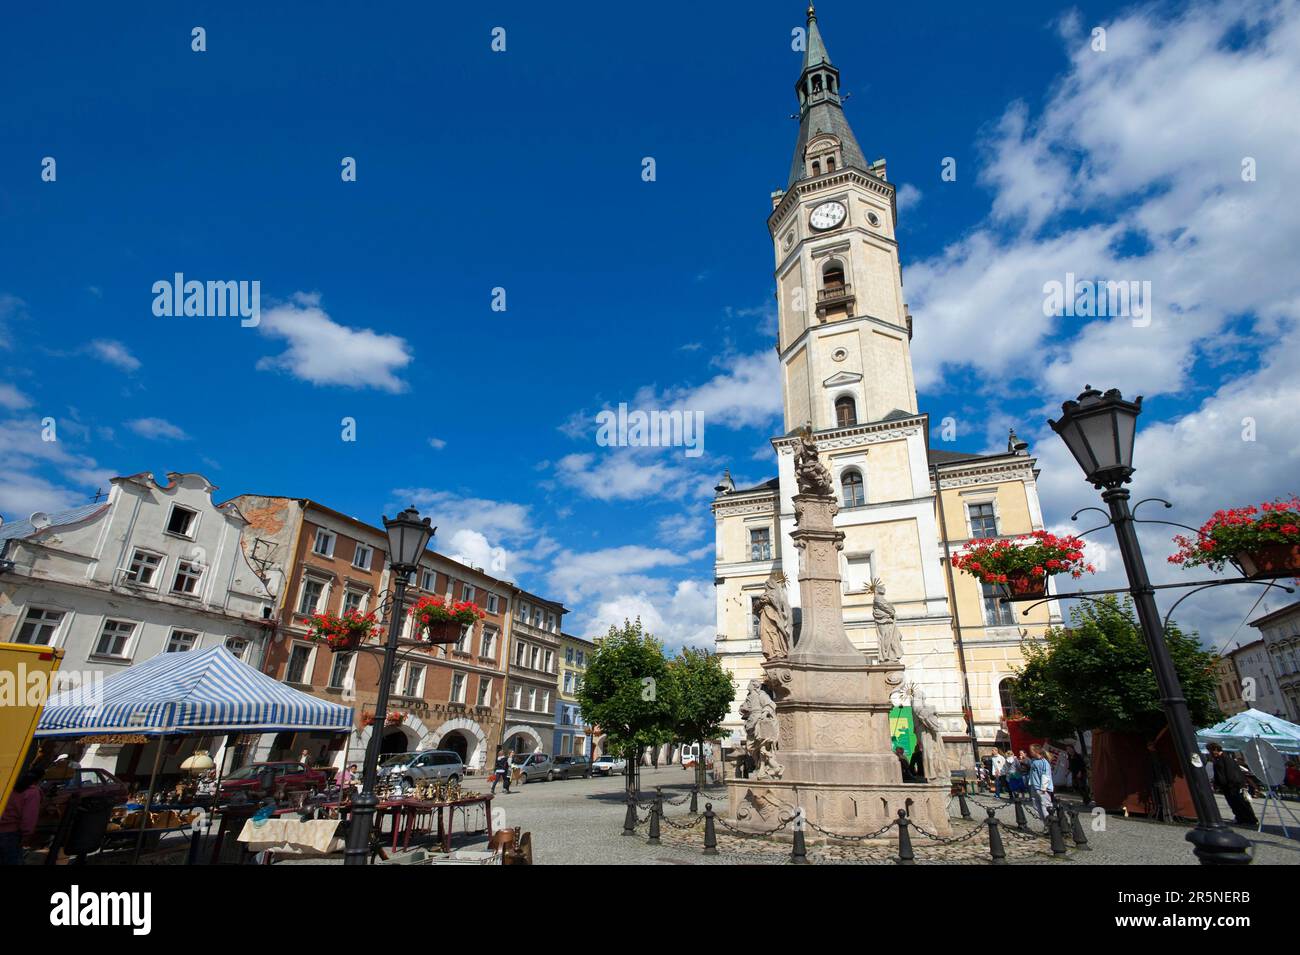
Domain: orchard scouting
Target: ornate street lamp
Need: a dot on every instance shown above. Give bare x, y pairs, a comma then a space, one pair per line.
1099, 430
408, 536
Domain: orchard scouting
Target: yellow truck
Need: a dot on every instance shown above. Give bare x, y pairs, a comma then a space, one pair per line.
27, 674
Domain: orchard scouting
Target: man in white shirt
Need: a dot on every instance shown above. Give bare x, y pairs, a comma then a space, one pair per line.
1001, 772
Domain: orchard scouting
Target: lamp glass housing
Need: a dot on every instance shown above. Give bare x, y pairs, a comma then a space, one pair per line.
408, 536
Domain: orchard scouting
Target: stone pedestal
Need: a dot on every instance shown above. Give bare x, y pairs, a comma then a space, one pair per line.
832, 709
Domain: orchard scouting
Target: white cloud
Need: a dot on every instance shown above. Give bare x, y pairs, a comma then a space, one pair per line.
40, 474
12, 398
157, 429
620, 474
114, 353
437, 444
323, 352
682, 528
907, 197
680, 618
498, 536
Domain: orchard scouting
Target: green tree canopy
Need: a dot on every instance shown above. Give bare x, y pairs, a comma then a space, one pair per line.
1096, 674
629, 690
704, 694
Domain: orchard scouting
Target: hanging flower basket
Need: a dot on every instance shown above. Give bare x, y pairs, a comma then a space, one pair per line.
342, 633
441, 621
1021, 566
1262, 542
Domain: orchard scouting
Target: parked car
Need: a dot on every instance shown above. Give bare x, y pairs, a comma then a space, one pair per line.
60, 785
286, 776
534, 766
430, 765
569, 767
609, 765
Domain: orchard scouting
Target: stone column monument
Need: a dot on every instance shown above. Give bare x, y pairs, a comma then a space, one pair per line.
832, 754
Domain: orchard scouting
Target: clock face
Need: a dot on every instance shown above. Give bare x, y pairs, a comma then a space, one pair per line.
827, 216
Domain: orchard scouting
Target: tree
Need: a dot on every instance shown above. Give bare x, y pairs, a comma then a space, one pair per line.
1096, 674
629, 691
704, 694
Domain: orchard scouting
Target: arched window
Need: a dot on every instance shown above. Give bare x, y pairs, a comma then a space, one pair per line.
854, 492
817, 168
1007, 697
833, 275
846, 411
830, 163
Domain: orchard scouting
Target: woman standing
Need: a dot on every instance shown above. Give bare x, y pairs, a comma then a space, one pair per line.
1040, 781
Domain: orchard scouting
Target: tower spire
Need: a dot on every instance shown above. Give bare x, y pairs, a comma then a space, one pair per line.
821, 110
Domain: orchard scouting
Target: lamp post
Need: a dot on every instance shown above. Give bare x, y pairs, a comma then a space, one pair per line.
408, 536
1099, 430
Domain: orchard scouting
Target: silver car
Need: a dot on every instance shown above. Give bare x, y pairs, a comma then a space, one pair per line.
534, 766
430, 765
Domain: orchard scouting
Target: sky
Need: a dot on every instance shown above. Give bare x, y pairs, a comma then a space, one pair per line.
443, 328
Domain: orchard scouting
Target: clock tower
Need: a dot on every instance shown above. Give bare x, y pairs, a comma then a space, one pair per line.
844, 331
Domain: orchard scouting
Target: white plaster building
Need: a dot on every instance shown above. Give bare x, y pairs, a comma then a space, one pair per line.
1280, 631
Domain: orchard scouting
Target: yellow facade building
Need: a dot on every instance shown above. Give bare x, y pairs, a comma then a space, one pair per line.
844, 341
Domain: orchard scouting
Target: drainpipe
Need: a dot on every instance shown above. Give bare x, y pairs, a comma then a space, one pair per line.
967, 711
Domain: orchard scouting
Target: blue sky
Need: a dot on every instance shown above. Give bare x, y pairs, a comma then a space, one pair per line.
522, 170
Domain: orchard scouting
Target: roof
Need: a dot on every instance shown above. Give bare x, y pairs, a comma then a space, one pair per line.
951, 457
18, 530
825, 116
192, 692
769, 485
1276, 615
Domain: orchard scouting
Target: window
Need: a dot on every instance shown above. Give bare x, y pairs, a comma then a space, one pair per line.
753, 617
520, 654
310, 596
857, 577
467, 593
493, 601
324, 545
546, 702
238, 647
580, 660
846, 411
855, 494
983, 521
568, 681
817, 168
830, 163
532, 698
39, 626
114, 638
339, 670
489, 647
550, 622
352, 600
296, 670
1007, 696
521, 612
568, 654
429, 581
144, 568
181, 640
462, 642
535, 658
760, 543
548, 662
188, 575
361, 557
517, 698
537, 618
484, 691
182, 521
413, 685
833, 277
458, 688
997, 613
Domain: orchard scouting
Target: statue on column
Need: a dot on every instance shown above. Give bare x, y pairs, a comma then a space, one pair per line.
931, 733
759, 713
882, 611
810, 474
775, 619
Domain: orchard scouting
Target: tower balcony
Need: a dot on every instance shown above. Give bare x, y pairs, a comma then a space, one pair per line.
835, 297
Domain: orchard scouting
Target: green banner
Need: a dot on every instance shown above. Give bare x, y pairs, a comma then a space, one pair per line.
902, 732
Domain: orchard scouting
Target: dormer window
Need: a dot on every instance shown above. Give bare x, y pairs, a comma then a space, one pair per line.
846, 412
816, 168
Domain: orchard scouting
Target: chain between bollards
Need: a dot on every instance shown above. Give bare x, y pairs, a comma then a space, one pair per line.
997, 852
905, 854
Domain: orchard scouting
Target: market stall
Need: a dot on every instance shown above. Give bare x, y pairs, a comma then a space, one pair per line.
1242, 728
195, 693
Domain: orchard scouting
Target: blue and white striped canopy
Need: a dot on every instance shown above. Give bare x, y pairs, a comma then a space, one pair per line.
197, 691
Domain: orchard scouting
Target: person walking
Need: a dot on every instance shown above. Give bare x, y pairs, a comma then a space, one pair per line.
501, 770
19, 820
1078, 773
1040, 781
1230, 780
1000, 773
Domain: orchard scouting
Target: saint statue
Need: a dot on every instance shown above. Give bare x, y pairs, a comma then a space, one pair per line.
810, 474
759, 713
928, 728
882, 611
775, 620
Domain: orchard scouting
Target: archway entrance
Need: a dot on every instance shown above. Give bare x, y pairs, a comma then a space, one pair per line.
458, 743
394, 741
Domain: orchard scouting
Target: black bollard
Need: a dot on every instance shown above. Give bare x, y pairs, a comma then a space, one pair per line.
905, 854
710, 834
996, 850
695, 795
629, 818
1054, 832
961, 801
1077, 834
1021, 822
656, 808
798, 852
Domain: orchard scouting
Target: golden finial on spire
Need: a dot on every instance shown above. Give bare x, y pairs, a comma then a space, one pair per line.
812, 12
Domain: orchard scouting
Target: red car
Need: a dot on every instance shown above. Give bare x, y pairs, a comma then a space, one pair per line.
61, 783
287, 777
